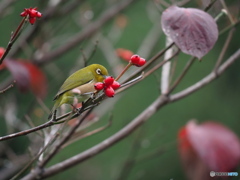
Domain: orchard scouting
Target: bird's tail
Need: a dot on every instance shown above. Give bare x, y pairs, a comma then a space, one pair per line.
54, 109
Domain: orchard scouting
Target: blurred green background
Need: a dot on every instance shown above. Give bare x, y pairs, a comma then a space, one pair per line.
218, 101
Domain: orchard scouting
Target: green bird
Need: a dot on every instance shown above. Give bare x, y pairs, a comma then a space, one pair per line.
79, 86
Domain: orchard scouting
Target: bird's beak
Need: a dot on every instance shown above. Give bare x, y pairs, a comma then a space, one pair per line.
105, 76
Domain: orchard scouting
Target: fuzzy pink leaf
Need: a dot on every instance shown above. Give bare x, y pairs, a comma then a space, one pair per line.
19, 73
215, 144
28, 77
193, 31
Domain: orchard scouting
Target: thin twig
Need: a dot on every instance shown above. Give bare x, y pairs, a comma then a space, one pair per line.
186, 68
36, 157
207, 79
13, 38
93, 51
228, 12
80, 135
230, 27
26, 37
4, 5
52, 122
124, 70
130, 83
160, 64
133, 125
209, 5
64, 140
84, 57
131, 159
156, 153
31, 124
25, 132
224, 49
85, 33
184, 72
8, 87
69, 8
149, 62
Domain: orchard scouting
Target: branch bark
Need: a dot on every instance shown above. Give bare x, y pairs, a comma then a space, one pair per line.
213, 75
85, 33
133, 125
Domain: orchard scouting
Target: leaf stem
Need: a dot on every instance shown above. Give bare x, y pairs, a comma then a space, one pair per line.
13, 38
124, 70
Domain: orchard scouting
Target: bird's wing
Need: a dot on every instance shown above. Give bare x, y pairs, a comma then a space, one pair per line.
74, 81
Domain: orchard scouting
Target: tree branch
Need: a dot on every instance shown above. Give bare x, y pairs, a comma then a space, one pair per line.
4, 5
124, 132
133, 125
85, 33
213, 75
8, 87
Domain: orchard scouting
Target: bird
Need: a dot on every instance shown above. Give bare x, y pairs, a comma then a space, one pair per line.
79, 86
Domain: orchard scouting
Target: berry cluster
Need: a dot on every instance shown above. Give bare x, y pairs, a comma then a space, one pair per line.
137, 60
109, 85
32, 13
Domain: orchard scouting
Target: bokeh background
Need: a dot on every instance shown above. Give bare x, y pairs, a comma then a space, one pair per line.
151, 151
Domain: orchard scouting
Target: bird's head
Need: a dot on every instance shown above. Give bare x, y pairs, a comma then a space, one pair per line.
99, 72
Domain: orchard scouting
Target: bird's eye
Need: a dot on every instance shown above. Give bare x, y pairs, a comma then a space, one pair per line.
98, 71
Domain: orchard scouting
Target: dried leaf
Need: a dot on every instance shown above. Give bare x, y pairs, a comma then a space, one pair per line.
210, 145
217, 145
38, 81
28, 77
19, 73
194, 31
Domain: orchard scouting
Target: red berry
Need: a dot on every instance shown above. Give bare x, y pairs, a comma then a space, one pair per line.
32, 20
109, 91
99, 86
38, 14
24, 13
109, 80
115, 85
32, 14
141, 62
135, 59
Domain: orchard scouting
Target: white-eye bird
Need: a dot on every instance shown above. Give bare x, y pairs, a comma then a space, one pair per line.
79, 86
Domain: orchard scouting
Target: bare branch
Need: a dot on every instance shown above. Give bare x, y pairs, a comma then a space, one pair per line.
80, 135
4, 5
25, 132
230, 27
150, 62
8, 87
64, 140
124, 132
13, 38
161, 64
224, 49
228, 12
207, 79
86, 32
185, 70
166, 67
133, 125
